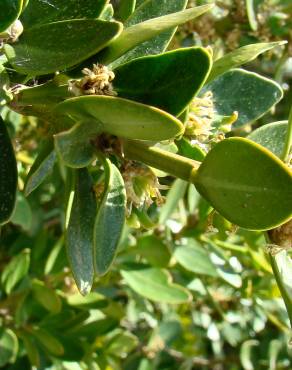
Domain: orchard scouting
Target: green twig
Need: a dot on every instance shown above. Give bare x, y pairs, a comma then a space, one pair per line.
171, 163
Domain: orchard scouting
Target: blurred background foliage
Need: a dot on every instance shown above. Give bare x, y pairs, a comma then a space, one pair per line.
208, 299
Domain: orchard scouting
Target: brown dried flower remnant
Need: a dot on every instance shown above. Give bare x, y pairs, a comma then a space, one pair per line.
97, 81
281, 237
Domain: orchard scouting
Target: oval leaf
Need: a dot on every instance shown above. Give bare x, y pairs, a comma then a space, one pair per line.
272, 136
79, 234
8, 346
168, 81
56, 46
247, 184
109, 220
74, 146
10, 10
250, 94
156, 284
123, 118
59, 10
8, 175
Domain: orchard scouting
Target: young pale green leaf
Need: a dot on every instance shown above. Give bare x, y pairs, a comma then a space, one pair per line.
247, 184
16, 270
271, 136
41, 12
122, 117
125, 9
195, 258
41, 168
241, 56
168, 81
188, 150
93, 300
147, 10
10, 10
138, 33
8, 177
248, 93
74, 146
109, 220
79, 236
8, 346
156, 284
52, 47
175, 194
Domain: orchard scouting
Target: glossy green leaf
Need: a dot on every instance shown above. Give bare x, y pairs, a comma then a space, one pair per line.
168, 81
79, 236
56, 46
125, 9
175, 194
46, 296
195, 258
41, 12
16, 270
122, 117
138, 33
248, 93
148, 10
74, 146
41, 168
8, 177
247, 184
8, 346
156, 284
272, 136
22, 214
109, 220
10, 10
241, 56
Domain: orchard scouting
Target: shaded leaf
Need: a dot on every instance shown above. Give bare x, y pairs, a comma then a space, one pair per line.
168, 81
46, 296
8, 175
79, 235
59, 10
8, 346
22, 214
10, 10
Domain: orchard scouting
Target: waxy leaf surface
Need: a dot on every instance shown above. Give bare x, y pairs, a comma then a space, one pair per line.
56, 46
110, 219
8, 175
40, 11
168, 81
80, 231
156, 284
122, 117
250, 94
272, 136
247, 184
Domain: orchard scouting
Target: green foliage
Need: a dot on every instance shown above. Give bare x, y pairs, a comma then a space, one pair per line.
148, 185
